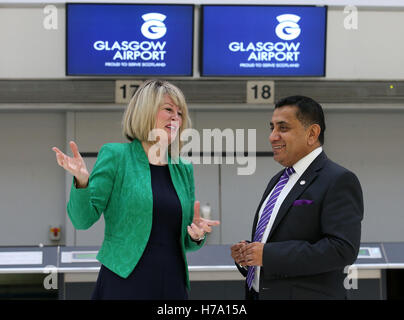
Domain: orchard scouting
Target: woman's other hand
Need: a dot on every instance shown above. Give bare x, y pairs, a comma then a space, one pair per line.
199, 225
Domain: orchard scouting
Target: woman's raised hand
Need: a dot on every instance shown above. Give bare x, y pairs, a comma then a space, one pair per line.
76, 165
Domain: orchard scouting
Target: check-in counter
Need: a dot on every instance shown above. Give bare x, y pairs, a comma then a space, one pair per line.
23, 272
212, 273
72, 271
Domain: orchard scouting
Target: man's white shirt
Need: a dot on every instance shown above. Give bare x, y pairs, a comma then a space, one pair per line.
300, 167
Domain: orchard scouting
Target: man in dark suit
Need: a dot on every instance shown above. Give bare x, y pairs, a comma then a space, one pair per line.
307, 227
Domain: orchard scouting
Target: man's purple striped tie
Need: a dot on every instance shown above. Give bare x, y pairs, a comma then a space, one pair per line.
266, 214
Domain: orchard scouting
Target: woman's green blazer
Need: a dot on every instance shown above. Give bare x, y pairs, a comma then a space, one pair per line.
120, 187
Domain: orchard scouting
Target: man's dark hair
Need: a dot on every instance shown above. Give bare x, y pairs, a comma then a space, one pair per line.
308, 112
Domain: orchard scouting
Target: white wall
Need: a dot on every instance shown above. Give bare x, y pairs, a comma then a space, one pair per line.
28, 50
373, 51
371, 145
32, 191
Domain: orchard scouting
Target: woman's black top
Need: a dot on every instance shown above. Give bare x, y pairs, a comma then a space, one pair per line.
160, 273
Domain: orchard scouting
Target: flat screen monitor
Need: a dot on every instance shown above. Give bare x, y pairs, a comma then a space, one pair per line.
263, 40
129, 39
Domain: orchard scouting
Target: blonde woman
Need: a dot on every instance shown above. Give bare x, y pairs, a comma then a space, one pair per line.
146, 193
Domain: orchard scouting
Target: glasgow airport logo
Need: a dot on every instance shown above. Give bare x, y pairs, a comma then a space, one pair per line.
132, 50
153, 28
288, 29
275, 53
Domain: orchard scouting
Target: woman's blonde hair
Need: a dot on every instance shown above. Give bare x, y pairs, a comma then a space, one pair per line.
140, 115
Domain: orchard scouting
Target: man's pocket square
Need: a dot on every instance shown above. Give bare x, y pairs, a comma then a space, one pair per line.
302, 202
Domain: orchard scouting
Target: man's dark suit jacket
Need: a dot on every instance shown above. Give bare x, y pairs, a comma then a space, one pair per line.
310, 244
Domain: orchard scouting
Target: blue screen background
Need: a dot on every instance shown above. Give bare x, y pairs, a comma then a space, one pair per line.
88, 23
225, 24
